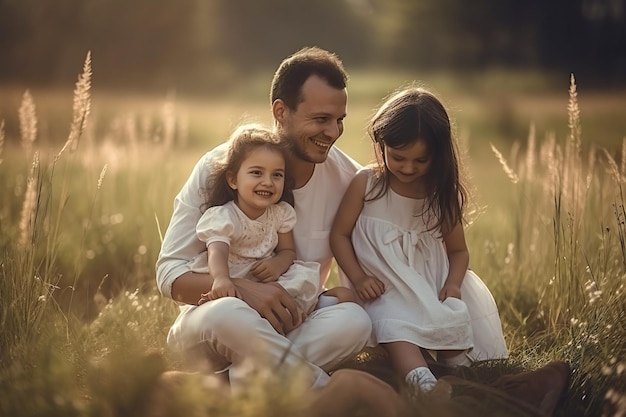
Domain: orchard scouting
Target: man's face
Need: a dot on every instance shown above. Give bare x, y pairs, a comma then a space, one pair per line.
317, 122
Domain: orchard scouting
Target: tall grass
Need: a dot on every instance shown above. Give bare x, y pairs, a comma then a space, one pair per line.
53, 223
83, 328
568, 234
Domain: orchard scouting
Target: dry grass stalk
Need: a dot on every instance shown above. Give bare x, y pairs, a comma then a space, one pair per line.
573, 112
505, 166
29, 206
81, 107
530, 154
591, 164
28, 122
613, 168
623, 161
572, 186
1, 139
102, 174
169, 123
547, 157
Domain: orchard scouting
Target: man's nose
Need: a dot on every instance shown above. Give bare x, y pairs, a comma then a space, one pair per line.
332, 130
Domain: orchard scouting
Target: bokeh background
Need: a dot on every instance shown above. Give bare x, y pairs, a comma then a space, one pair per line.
199, 46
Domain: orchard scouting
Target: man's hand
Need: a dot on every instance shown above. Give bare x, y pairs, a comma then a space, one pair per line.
272, 302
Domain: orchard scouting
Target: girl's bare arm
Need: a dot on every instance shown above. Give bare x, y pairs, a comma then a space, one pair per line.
341, 239
458, 256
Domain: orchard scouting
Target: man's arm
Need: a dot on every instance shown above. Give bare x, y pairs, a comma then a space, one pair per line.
180, 243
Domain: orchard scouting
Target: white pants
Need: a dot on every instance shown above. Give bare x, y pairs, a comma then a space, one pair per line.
227, 331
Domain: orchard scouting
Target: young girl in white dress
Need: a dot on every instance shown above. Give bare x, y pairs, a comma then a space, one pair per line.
398, 236
247, 225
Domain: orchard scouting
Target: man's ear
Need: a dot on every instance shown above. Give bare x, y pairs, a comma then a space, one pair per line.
279, 110
231, 180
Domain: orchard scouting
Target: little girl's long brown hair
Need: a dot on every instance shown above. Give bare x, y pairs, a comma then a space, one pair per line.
414, 114
244, 139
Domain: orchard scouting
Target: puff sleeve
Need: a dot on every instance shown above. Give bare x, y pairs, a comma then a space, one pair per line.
217, 224
287, 216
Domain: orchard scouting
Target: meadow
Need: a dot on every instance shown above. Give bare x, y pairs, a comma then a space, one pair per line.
88, 179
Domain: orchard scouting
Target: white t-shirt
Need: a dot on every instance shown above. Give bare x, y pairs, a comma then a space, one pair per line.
316, 204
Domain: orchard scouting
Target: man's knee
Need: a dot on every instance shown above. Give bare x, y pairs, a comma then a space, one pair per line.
357, 325
223, 315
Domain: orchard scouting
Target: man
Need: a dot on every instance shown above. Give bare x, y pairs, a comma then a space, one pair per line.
309, 101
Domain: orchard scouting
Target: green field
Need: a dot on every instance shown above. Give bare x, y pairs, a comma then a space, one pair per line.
80, 229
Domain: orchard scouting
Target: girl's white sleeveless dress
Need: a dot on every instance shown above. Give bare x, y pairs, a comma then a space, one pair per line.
396, 246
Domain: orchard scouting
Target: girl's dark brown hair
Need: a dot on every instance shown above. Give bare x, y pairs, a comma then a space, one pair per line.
244, 140
410, 115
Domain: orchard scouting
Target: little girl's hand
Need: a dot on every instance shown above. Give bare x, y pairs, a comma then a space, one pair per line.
265, 271
223, 289
369, 288
449, 291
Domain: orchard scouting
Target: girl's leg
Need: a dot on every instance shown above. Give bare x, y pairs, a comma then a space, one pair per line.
453, 357
408, 360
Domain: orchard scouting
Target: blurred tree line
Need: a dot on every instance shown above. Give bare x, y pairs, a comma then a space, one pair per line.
199, 45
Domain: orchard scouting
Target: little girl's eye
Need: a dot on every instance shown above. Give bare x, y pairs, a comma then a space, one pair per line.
256, 172
279, 175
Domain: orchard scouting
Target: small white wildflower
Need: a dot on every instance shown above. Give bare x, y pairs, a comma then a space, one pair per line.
42, 298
